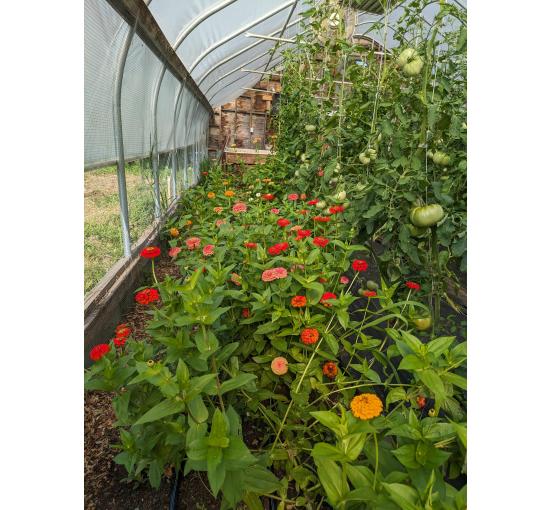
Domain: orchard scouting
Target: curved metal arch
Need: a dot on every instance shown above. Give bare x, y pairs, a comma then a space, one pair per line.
240, 52
238, 32
241, 78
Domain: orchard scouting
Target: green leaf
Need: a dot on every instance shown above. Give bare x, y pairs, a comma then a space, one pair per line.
440, 345
327, 451
332, 342
236, 382
343, 317
328, 419
406, 454
198, 410
412, 362
332, 480
396, 395
164, 408
406, 497
430, 378
236, 455
215, 469
155, 474
206, 341
359, 476
260, 480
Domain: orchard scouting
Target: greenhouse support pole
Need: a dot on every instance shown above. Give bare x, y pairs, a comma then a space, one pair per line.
174, 148
119, 139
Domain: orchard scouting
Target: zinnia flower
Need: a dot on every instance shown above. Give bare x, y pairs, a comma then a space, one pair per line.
359, 265
220, 222
269, 197
366, 406
192, 243
97, 352
298, 301
309, 336
122, 331
229, 193
336, 209
275, 210
295, 228
211, 194
302, 211
189, 223
208, 250
313, 202
321, 172
250, 245
303, 196
322, 280
147, 296
330, 369
292, 197
283, 222
279, 366
369, 293
413, 285
245, 313
218, 210
236, 279
276, 249
321, 219
239, 207
119, 341
326, 296
344, 280
274, 274
150, 252
174, 232
173, 252
320, 241
421, 401
302, 234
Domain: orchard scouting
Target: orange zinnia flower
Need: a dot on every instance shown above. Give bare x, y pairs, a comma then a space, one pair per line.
366, 406
330, 369
211, 194
229, 193
174, 232
298, 301
309, 336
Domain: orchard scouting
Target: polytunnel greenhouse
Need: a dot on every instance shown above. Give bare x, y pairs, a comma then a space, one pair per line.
275, 254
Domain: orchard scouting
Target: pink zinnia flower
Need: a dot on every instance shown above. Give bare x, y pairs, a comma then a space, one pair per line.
274, 274
219, 223
173, 252
236, 279
275, 210
292, 197
239, 207
296, 227
208, 250
344, 280
193, 242
218, 210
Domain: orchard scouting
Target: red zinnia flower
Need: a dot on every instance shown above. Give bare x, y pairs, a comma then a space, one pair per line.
250, 245
99, 351
292, 197
283, 222
208, 250
421, 401
321, 172
413, 285
321, 219
336, 209
320, 241
322, 280
298, 301
268, 196
326, 296
119, 341
313, 202
369, 293
359, 265
147, 296
277, 248
302, 234
330, 369
120, 327
150, 252
309, 336
122, 332
245, 313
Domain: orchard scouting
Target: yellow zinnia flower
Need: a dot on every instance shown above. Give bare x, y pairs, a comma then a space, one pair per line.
229, 193
211, 194
174, 232
225, 183
366, 406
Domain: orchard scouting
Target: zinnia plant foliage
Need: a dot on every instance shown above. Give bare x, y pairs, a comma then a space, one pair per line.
354, 408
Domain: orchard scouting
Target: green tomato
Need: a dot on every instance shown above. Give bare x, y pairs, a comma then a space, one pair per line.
440, 158
416, 231
310, 127
364, 159
345, 205
303, 157
321, 204
340, 196
372, 285
410, 61
427, 215
413, 68
422, 323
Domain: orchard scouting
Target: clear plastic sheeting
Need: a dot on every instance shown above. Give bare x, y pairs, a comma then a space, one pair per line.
105, 35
